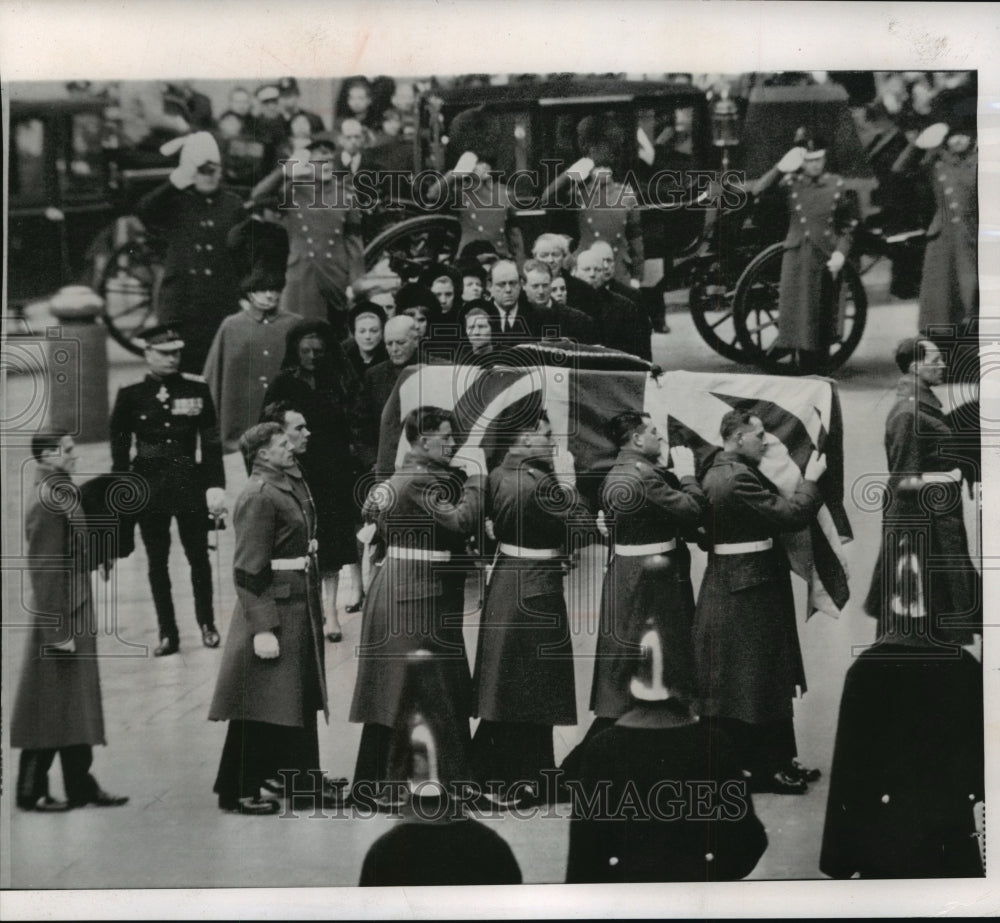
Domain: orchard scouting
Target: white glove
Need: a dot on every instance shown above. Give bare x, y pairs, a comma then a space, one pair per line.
932, 136
792, 161
646, 152
215, 497
470, 460
581, 169
815, 466
835, 263
265, 645
196, 149
602, 523
683, 459
466, 163
490, 532
564, 468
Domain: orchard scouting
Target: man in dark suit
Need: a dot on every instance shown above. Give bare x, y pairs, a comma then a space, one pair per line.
621, 323
555, 321
513, 321
377, 384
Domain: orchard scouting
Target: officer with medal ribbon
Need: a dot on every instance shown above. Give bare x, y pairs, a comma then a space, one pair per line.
166, 417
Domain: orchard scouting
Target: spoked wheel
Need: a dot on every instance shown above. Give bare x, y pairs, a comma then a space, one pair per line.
414, 244
129, 284
756, 318
711, 305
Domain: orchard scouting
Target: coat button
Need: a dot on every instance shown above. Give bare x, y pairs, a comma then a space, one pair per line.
198, 247
305, 227
311, 254
590, 221
806, 234
266, 353
709, 857
954, 220
208, 272
167, 423
948, 191
210, 223
613, 861
193, 272
309, 240
208, 247
597, 233
330, 241
263, 378
170, 440
885, 799
480, 228
953, 204
473, 217
802, 220
798, 207
972, 797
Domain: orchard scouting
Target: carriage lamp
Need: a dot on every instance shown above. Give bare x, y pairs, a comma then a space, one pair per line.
725, 126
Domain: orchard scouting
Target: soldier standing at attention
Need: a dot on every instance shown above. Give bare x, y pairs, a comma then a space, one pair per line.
168, 415
746, 642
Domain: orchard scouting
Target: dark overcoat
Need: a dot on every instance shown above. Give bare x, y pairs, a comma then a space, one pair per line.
745, 638
524, 657
907, 766
58, 701
414, 604
647, 824
328, 463
823, 215
642, 507
200, 286
326, 250
273, 518
949, 286
927, 519
170, 418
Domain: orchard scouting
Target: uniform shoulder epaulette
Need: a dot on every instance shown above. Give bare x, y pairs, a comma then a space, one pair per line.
190, 376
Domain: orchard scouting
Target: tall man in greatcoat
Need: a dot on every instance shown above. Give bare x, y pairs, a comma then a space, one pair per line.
169, 416
648, 511
823, 216
272, 681
324, 226
746, 642
194, 215
246, 353
58, 703
923, 505
524, 668
424, 514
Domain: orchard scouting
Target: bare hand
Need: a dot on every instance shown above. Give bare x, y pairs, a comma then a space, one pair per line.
265, 645
815, 467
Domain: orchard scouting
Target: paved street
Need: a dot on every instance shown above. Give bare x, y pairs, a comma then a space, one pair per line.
163, 752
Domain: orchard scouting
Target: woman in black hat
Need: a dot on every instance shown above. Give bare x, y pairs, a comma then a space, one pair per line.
317, 380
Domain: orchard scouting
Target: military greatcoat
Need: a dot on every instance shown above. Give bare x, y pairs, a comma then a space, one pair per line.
823, 215
949, 286
745, 639
524, 660
273, 519
416, 602
642, 507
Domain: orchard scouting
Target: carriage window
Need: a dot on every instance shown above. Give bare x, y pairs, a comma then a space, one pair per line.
27, 168
81, 170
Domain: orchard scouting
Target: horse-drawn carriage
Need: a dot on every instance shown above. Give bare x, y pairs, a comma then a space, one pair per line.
728, 255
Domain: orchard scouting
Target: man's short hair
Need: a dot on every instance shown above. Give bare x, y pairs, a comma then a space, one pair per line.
500, 262
535, 266
256, 438
736, 421
910, 350
530, 423
622, 426
275, 413
46, 442
425, 421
